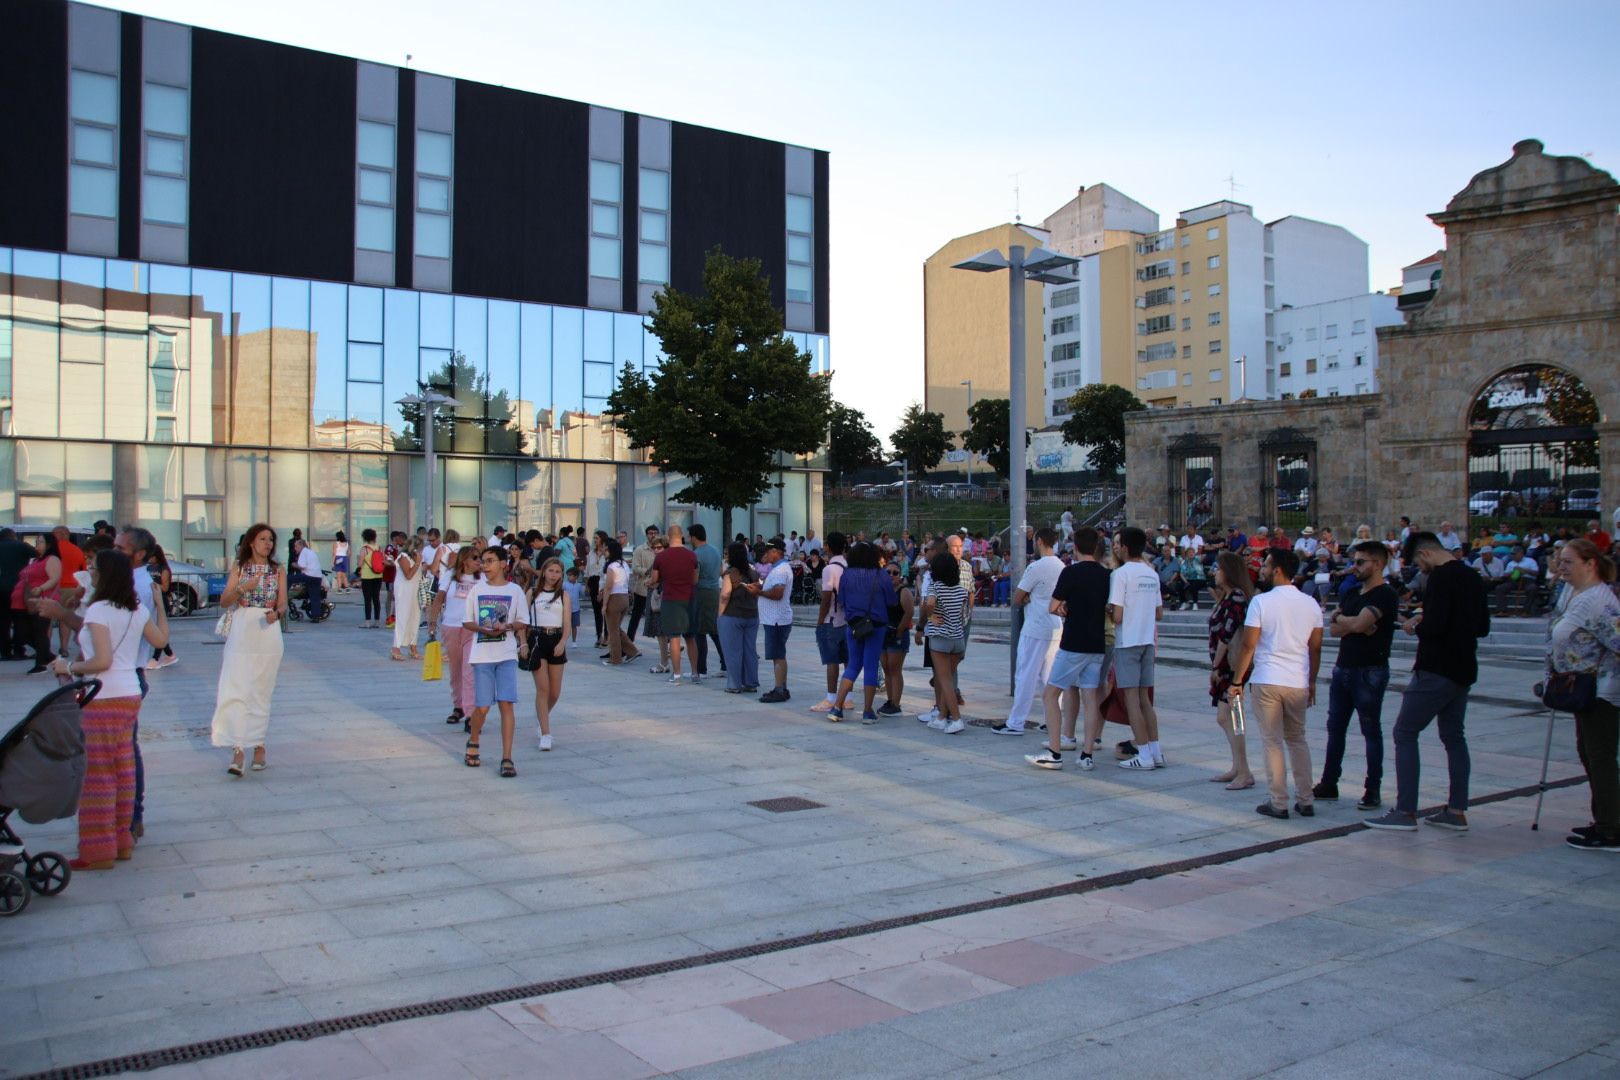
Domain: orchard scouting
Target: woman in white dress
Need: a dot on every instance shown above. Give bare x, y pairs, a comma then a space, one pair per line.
256, 596
407, 598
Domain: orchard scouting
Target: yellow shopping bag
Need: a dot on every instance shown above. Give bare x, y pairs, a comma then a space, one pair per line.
432, 661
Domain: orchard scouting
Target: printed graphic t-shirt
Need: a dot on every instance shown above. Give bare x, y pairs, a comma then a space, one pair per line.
488, 605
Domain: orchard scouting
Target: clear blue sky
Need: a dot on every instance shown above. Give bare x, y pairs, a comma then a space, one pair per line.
1369, 115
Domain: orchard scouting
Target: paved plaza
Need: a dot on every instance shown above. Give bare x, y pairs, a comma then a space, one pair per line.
367, 868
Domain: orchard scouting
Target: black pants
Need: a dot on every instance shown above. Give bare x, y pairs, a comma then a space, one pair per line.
638, 607
703, 652
1597, 740
41, 640
371, 593
594, 586
13, 627
314, 592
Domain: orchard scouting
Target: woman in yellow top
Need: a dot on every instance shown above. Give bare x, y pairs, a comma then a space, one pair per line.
371, 580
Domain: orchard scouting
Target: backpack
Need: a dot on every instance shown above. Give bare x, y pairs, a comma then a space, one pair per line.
377, 562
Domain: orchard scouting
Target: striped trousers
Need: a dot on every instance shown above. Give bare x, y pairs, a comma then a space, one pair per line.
108, 801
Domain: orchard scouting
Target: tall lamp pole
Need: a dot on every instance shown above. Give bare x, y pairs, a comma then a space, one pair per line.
429, 402
969, 384
905, 494
1021, 266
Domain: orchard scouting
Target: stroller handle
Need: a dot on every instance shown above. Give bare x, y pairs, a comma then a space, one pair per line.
86, 690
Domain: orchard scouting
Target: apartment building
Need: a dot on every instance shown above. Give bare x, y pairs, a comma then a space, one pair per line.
1331, 349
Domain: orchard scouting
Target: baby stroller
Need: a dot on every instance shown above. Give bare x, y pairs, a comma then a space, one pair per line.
41, 775
299, 606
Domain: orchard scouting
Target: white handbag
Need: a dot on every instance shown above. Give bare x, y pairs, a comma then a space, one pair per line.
222, 627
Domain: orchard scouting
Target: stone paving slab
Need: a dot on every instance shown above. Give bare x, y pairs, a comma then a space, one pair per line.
368, 868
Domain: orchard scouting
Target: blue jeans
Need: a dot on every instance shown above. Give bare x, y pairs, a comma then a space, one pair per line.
737, 643
1359, 690
1431, 697
139, 812
865, 656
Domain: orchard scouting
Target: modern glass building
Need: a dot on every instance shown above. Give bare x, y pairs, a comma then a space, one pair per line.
229, 261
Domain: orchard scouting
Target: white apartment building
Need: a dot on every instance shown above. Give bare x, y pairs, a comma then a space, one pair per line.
1073, 338
1331, 349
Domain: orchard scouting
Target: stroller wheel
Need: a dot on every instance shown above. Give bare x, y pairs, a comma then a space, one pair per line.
295, 614
14, 894
49, 873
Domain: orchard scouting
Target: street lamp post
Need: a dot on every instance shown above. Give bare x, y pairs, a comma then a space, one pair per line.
905, 494
429, 402
1051, 268
969, 384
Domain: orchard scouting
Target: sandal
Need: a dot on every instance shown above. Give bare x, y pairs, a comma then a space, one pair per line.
469, 757
455, 717
259, 764
395, 656
507, 768
235, 768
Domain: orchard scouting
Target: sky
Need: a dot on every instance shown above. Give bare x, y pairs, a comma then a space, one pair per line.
948, 117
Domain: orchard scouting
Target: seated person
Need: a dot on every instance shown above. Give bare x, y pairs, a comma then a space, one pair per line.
1191, 571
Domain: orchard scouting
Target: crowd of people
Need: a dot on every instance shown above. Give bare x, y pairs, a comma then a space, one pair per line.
513, 603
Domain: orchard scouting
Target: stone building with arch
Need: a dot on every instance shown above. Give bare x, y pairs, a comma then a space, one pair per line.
1500, 396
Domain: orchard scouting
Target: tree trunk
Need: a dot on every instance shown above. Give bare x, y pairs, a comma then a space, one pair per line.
725, 528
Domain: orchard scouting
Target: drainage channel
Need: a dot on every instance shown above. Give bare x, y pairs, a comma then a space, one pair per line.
199, 1051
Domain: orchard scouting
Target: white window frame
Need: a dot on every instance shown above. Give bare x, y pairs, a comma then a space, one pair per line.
418, 211
391, 170
76, 120
644, 213
806, 296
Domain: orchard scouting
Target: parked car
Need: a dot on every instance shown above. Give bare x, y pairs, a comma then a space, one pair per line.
1484, 503
1584, 500
191, 587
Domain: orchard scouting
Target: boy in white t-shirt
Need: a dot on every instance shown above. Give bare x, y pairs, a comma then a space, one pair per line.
496, 614
1135, 605
1282, 637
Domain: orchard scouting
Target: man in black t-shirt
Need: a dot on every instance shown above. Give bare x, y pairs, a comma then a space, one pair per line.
1365, 627
1455, 616
1081, 598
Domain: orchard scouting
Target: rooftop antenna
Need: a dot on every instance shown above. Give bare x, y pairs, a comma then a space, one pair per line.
407, 59
1018, 216
1231, 186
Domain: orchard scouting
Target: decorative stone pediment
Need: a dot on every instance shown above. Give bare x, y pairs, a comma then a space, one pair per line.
1530, 180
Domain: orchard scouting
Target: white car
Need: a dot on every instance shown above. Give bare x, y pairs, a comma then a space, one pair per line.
1585, 500
1484, 503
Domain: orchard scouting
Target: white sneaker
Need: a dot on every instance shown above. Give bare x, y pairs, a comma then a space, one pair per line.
1067, 744
545, 742
1137, 762
1044, 760
928, 717
937, 723
821, 706
955, 727
1087, 763
1159, 762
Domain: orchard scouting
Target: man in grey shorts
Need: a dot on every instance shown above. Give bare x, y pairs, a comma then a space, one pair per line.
1135, 604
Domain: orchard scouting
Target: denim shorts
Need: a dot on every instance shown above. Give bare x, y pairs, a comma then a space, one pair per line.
947, 644
1084, 670
776, 641
494, 682
832, 643
896, 642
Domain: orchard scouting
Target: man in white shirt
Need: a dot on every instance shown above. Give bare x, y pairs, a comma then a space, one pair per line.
1038, 640
307, 564
775, 616
1192, 540
1449, 538
1306, 545
1066, 523
1135, 604
1282, 643
810, 543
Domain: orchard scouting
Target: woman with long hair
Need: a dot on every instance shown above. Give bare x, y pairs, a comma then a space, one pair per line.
41, 580
256, 595
945, 627
158, 563
1583, 636
550, 618
865, 592
457, 642
407, 602
1233, 587
371, 581
897, 639
739, 621
616, 584
115, 625
594, 559
340, 562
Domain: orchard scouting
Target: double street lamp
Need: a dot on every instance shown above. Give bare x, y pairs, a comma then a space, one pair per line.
969, 384
1047, 267
428, 401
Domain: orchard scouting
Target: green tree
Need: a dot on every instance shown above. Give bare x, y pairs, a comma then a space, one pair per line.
732, 394
478, 421
921, 438
851, 445
1097, 419
990, 424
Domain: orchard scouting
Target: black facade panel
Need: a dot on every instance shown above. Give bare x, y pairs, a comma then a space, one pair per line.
729, 191
823, 246
521, 198
272, 158
630, 223
129, 136
405, 182
33, 124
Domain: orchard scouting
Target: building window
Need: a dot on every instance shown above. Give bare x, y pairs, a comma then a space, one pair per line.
1216, 374
1159, 324
1215, 318
1064, 325
1186, 238
1212, 233
652, 263
607, 194
1360, 360
1215, 289
1333, 365
1214, 401
1069, 350
1163, 351
801, 227
1157, 297
1186, 322
1332, 330
1359, 326
1333, 393
1186, 378
163, 376
1066, 296
1310, 333
1213, 262
167, 116
1186, 268
5, 362
375, 157
1060, 407
1285, 369
93, 106
1361, 388
1155, 271
1215, 346
435, 159
1064, 379
1310, 365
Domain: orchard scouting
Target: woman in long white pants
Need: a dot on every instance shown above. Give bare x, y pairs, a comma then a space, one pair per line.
407, 598
256, 595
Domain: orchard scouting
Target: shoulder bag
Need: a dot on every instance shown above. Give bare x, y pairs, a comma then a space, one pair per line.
1568, 691
862, 627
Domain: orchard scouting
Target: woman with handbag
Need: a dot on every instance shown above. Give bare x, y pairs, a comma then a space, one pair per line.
866, 593
371, 580
616, 584
549, 623
1583, 677
40, 580
458, 643
739, 621
255, 600
1233, 587
408, 577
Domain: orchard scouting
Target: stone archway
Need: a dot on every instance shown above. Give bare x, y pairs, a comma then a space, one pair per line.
1533, 449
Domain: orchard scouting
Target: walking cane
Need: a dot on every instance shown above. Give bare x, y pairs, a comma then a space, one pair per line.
1541, 788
